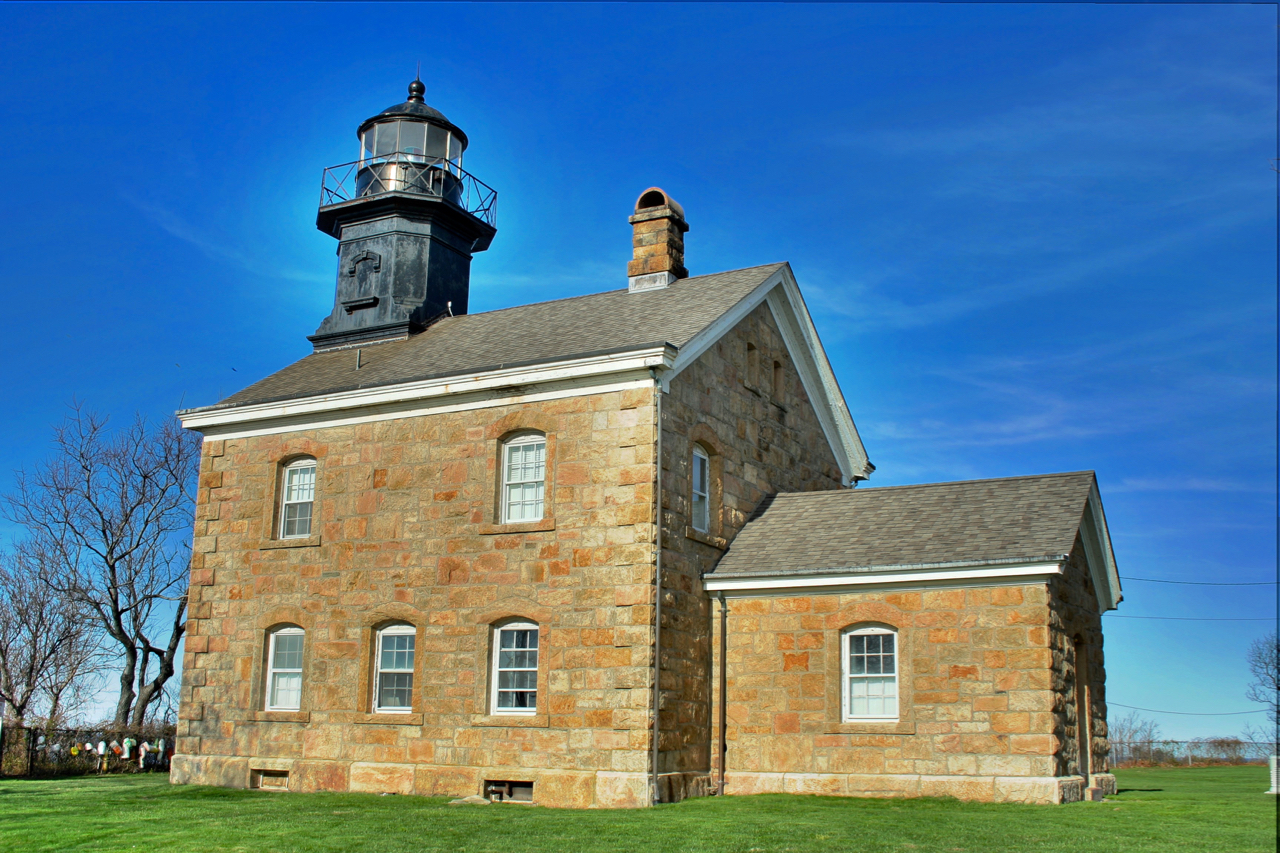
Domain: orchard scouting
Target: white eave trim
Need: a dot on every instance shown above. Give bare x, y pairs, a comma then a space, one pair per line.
782, 295
1098, 553
865, 581
581, 374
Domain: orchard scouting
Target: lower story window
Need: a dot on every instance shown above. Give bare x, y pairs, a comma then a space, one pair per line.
393, 689
284, 669
515, 668
870, 674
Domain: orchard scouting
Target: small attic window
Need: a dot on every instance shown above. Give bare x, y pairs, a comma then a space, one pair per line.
653, 198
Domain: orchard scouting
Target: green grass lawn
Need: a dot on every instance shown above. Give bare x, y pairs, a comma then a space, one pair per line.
1197, 809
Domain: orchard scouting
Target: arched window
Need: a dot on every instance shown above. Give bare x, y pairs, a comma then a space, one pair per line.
284, 668
700, 501
393, 679
779, 382
753, 366
515, 668
297, 497
870, 674
524, 478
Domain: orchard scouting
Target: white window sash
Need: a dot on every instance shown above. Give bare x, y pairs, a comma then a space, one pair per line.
380, 670
525, 481
498, 669
275, 674
297, 491
880, 687
701, 476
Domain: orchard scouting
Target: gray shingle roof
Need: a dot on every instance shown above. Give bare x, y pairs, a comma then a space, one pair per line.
614, 321
974, 521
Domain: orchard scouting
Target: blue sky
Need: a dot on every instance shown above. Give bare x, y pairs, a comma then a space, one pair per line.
1034, 237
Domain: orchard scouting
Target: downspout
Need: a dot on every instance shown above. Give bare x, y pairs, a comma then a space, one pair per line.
657, 585
724, 685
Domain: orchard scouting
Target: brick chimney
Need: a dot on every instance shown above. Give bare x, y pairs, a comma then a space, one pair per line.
658, 242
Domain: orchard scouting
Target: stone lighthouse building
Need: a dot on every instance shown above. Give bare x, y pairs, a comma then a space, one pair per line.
606, 551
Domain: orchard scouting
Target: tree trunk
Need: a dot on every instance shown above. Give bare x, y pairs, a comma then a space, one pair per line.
127, 672
150, 692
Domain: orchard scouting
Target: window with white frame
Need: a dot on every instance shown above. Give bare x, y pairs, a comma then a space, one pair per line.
524, 478
284, 669
393, 682
701, 506
297, 497
870, 674
515, 669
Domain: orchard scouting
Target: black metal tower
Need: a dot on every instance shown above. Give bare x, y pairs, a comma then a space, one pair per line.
408, 219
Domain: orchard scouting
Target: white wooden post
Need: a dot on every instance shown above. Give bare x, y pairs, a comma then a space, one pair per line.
1275, 776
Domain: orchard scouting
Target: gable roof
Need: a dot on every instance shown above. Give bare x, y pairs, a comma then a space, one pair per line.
1011, 521
582, 339
599, 323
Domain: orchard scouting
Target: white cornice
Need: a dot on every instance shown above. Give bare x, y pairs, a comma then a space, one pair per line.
488, 388
801, 584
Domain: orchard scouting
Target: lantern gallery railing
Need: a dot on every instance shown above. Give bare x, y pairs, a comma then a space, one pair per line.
410, 173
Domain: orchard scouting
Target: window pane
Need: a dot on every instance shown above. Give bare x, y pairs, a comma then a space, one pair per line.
437, 140
300, 484
386, 143
519, 638
411, 137
395, 690
886, 643
286, 690
518, 680
699, 473
288, 651
297, 519
397, 651
701, 512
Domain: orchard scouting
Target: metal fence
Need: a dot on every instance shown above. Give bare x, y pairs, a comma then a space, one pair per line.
1190, 752
75, 752
410, 173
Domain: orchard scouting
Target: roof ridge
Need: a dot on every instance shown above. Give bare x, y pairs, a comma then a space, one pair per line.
604, 292
878, 489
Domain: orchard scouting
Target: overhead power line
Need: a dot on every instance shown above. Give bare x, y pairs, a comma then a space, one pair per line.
1188, 713
1199, 583
1203, 618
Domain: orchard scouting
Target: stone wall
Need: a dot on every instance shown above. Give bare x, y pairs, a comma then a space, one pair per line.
407, 530
977, 697
763, 437
1076, 623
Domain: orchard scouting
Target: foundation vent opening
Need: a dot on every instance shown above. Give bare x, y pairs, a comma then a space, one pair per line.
501, 791
269, 780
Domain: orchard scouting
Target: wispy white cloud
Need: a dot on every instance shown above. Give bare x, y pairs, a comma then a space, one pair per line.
177, 227
1189, 484
866, 307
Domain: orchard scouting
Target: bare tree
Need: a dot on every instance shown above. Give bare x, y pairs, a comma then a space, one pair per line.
1264, 664
112, 512
47, 642
1132, 728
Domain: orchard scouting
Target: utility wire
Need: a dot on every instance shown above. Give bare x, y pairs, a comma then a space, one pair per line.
1203, 618
1199, 583
1187, 713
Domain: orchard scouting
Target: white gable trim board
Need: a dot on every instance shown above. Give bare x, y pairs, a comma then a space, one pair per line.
781, 293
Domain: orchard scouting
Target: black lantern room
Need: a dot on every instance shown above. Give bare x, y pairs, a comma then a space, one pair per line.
408, 218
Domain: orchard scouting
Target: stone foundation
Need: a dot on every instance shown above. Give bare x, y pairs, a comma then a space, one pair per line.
1037, 790
554, 788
